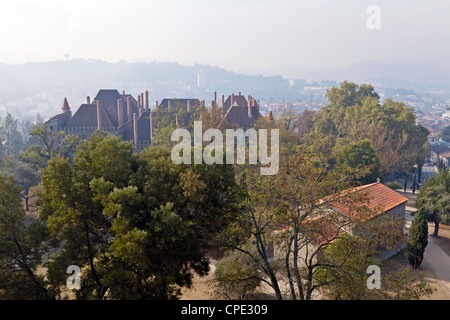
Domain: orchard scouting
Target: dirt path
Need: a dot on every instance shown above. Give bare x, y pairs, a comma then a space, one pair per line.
436, 266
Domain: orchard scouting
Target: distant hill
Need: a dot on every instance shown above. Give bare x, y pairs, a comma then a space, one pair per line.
377, 72
90, 73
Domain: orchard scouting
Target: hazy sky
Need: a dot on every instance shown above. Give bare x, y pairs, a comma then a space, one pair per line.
236, 34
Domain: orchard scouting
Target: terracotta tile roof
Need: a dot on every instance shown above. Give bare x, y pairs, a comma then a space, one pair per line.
379, 198
445, 154
321, 230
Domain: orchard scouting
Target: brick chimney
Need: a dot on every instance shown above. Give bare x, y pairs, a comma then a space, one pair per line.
129, 108
151, 128
223, 105
99, 115
139, 101
135, 128
249, 107
120, 111
147, 106
188, 106
88, 100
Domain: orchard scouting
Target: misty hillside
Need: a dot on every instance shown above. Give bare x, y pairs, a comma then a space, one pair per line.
377, 72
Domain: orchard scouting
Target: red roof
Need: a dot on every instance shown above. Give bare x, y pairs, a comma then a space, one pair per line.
377, 197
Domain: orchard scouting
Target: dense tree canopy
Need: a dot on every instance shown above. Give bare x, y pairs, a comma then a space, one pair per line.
355, 113
137, 225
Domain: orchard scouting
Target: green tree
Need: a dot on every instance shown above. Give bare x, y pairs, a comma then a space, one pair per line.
418, 238
281, 210
13, 140
360, 155
21, 248
48, 145
355, 113
436, 201
237, 275
136, 224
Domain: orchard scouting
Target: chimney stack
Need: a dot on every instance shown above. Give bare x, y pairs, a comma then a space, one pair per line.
120, 111
215, 98
147, 106
142, 99
169, 104
135, 128
249, 107
188, 106
223, 105
88, 100
139, 101
99, 115
156, 104
213, 106
151, 128
129, 108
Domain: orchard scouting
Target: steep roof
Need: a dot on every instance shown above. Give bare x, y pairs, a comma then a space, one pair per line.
112, 116
379, 199
65, 105
108, 97
439, 148
86, 116
239, 100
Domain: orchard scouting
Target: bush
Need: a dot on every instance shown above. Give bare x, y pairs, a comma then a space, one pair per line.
237, 275
394, 185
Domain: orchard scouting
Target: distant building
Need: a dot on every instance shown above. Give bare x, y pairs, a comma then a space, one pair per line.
441, 150
131, 118
112, 112
238, 110
339, 217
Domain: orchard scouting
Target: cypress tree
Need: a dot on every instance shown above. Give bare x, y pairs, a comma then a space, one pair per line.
418, 238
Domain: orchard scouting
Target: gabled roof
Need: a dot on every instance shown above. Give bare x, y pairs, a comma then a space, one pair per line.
86, 116
445, 154
112, 116
239, 101
440, 148
379, 199
108, 97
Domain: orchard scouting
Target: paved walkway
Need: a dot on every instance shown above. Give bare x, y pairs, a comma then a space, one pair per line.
436, 263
